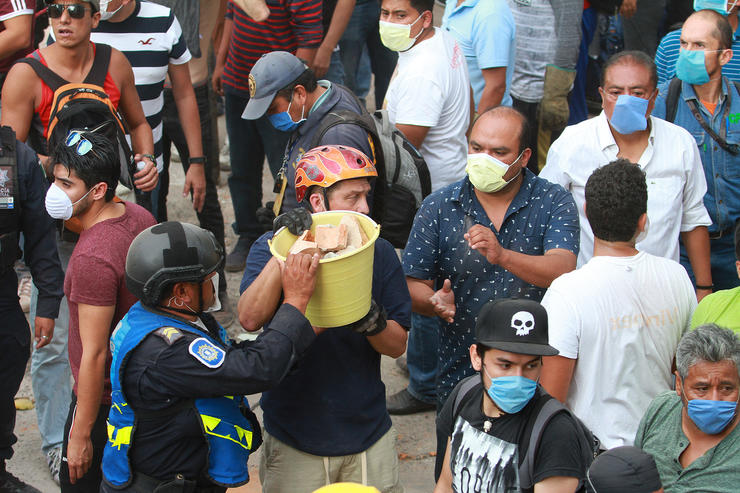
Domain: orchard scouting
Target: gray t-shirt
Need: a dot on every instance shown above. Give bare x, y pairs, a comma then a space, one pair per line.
661, 435
535, 30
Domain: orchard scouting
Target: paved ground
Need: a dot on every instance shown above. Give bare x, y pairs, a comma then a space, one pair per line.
416, 443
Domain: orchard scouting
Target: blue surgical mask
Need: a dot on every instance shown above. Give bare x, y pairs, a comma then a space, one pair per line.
711, 417
512, 393
690, 67
629, 114
717, 5
284, 122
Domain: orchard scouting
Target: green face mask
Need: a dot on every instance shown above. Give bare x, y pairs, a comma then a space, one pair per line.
397, 37
486, 173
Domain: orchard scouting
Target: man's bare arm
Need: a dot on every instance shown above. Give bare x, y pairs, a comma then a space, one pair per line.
415, 133
557, 373
16, 35
19, 99
187, 110
494, 88
142, 140
95, 322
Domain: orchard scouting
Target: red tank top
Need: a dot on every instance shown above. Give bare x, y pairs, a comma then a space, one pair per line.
43, 110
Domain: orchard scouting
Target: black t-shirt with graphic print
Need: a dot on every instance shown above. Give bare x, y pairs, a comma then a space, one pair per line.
489, 461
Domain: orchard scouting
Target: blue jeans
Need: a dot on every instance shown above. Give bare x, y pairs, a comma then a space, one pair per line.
361, 32
335, 74
577, 96
421, 357
51, 376
249, 142
724, 272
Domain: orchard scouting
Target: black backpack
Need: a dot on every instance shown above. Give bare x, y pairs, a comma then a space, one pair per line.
84, 106
406, 181
590, 445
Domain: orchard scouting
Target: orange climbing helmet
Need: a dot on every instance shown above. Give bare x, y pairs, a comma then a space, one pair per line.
326, 165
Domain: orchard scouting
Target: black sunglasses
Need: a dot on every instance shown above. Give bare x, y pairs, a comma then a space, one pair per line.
76, 10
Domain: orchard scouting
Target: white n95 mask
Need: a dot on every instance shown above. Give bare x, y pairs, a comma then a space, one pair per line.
58, 204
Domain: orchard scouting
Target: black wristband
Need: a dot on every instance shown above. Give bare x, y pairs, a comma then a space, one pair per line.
197, 160
706, 288
377, 330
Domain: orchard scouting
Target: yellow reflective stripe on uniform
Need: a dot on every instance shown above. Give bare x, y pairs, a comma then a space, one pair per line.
210, 423
123, 436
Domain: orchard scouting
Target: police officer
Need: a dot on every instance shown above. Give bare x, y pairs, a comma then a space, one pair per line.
22, 211
178, 421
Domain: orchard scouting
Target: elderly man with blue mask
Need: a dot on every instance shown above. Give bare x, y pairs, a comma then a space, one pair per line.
665, 152
692, 432
707, 104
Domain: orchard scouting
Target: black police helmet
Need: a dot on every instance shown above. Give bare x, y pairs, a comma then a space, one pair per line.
168, 253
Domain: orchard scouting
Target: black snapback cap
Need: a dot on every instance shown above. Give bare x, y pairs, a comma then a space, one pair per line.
514, 325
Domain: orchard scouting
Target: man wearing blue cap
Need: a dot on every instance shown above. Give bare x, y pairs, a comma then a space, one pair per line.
284, 88
486, 428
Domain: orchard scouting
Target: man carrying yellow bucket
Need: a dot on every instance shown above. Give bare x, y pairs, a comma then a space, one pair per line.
327, 422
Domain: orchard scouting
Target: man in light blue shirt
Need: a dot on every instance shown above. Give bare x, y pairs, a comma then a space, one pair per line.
710, 111
485, 31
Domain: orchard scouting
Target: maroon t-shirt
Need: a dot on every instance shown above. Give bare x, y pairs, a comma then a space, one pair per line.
8, 10
96, 276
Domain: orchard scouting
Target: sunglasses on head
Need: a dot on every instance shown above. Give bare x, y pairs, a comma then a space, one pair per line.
75, 10
75, 138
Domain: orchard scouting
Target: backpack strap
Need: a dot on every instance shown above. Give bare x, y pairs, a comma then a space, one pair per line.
671, 100
47, 76
465, 386
101, 62
526, 469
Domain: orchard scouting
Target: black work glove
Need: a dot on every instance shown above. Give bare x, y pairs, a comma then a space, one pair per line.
296, 220
373, 323
266, 216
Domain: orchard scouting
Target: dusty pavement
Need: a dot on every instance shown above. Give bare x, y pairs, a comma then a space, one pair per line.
416, 443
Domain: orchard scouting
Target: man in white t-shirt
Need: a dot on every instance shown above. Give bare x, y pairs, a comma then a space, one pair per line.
618, 319
429, 101
429, 97
665, 152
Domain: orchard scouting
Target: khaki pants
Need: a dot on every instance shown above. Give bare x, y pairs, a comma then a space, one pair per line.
284, 469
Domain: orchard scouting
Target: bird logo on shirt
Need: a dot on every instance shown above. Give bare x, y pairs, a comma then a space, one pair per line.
147, 41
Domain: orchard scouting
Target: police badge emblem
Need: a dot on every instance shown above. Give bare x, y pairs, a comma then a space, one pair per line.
252, 85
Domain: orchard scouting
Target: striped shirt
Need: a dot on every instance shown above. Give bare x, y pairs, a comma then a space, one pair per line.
667, 55
151, 39
8, 10
292, 24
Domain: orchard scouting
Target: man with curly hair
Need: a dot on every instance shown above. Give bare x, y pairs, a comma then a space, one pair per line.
618, 319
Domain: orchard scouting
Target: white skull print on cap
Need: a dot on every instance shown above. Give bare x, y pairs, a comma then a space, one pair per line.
522, 322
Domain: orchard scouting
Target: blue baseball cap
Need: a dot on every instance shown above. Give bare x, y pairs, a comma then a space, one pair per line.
272, 72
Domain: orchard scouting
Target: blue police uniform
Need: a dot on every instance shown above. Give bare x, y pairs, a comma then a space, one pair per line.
177, 412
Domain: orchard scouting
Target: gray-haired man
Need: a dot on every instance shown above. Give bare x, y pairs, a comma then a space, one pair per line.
692, 433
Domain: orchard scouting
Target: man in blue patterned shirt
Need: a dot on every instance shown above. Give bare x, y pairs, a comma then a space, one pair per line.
500, 232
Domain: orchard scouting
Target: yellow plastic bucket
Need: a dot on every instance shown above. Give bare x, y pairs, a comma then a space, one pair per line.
343, 284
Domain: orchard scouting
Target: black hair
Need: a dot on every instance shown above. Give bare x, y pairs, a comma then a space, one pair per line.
616, 197
481, 349
632, 57
523, 122
722, 31
422, 6
307, 79
100, 164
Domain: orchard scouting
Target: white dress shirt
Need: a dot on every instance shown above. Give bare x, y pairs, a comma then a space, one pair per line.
672, 166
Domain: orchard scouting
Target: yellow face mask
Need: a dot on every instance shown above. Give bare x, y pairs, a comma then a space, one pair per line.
486, 173
397, 37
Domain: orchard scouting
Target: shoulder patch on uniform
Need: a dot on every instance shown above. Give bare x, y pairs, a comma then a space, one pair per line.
169, 334
207, 353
